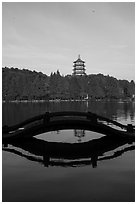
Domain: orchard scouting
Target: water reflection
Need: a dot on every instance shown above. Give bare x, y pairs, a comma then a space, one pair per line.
79, 134
28, 164
14, 113
67, 154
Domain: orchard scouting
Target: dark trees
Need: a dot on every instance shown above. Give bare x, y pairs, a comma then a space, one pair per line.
23, 85
31, 85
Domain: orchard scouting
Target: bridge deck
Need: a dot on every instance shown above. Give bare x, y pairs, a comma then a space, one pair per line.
66, 120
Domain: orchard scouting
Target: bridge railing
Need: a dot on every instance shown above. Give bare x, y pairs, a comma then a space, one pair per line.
90, 116
49, 115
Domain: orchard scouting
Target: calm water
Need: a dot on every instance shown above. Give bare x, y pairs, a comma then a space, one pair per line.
43, 170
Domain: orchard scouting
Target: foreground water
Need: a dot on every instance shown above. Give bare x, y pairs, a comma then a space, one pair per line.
32, 174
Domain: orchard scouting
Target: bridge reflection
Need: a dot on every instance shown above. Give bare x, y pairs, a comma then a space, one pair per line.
67, 154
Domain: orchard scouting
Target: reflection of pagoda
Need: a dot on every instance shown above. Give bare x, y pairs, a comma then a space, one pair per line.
79, 134
79, 67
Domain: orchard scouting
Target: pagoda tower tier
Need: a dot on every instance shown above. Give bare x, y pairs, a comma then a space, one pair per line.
79, 67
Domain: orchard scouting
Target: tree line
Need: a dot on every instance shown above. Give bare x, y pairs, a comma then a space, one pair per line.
31, 85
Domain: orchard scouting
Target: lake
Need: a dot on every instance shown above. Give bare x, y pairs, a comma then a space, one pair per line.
43, 169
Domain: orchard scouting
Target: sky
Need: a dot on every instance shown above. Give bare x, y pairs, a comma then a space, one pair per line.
49, 36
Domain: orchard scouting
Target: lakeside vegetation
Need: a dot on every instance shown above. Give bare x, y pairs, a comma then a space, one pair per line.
31, 85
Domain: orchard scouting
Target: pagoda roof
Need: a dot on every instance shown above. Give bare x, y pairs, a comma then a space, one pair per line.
79, 60
76, 65
79, 69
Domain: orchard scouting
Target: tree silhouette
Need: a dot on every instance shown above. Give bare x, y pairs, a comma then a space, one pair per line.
31, 85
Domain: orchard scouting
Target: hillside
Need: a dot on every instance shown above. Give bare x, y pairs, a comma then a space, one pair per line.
31, 85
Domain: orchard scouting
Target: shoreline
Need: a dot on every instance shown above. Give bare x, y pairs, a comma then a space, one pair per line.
68, 100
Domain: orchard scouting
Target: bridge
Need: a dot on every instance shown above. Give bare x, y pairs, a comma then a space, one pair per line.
66, 120
67, 154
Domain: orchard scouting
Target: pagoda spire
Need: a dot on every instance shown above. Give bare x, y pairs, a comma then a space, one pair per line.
79, 56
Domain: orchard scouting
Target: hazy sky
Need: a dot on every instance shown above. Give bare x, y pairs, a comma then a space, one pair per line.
49, 36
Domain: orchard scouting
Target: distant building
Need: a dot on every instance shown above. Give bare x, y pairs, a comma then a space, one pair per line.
79, 67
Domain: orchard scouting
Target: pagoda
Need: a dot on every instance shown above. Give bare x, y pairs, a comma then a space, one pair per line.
79, 67
80, 134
